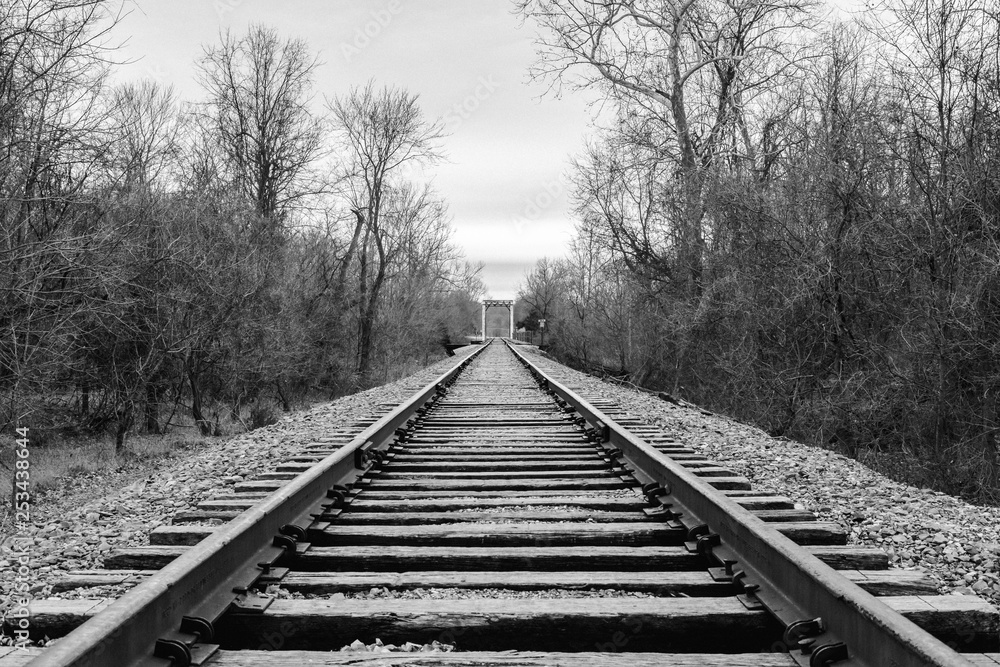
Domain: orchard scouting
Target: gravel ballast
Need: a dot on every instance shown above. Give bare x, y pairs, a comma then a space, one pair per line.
954, 541
75, 527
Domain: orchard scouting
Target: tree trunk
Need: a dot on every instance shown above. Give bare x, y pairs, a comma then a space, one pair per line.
85, 399
152, 409
371, 308
365, 340
285, 405
364, 327
236, 409
199, 418
124, 422
358, 227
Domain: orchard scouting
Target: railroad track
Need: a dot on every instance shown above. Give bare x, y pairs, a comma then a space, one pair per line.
501, 511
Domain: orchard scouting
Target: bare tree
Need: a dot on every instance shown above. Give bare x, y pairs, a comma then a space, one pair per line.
687, 71
543, 291
381, 131
145, 124
259, 91
53, 63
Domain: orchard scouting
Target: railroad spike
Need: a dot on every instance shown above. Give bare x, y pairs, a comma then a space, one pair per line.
497, 484
196, 625
828, 654
802, 630
298, 533
177, 652
285, 542
697, 531
707, 542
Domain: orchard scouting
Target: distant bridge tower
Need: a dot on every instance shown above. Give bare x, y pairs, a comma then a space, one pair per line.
509, 304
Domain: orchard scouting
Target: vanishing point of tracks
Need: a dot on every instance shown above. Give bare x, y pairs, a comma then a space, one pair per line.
535, 529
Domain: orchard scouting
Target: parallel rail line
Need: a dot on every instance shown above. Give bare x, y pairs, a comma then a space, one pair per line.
541, 526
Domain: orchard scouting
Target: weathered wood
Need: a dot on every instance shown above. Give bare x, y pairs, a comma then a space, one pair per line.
764, 502
392, 516
434, 558
607, 658
492, 434
255, 486
88, 578
463, 464
474, 451
748, 493
526, 439
351, 518
276, 476
57, 618
433, 451
441, 423
698, 584
476, 485
390, 473
460, 534
710, 471
503, 534
475, 558
202, 515
435, 427
14, 656
695, 583
525, 496
970, 622
449, 459
851, 557
813, 532
366, 503
641, 624
784, 516
238, 504
508, 534
658, 624
549, 558
893, 582
689, 457
729, 483
769, 515
667, 558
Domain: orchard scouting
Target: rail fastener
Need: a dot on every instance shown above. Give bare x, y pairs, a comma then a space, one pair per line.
779, 574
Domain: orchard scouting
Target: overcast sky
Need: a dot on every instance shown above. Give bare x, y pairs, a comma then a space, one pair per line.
509, 147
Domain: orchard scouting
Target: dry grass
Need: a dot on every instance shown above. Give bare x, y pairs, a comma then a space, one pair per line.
59, 455
59, 460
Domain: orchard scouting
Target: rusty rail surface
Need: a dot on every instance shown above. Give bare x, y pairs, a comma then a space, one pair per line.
158, 621
827, 619
834, 619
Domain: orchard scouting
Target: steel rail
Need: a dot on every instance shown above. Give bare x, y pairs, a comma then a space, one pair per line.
167, 613
792, 584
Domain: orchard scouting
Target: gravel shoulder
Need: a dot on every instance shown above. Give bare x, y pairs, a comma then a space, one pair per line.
89, 516
954, 541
